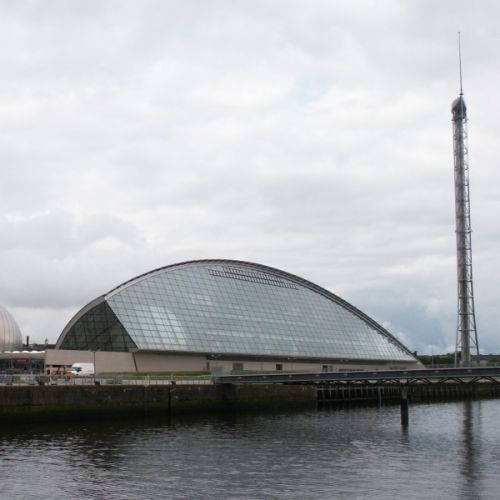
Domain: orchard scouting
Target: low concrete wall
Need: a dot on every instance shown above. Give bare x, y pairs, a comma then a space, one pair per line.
153, 362
269, 396
144, 361
104, 361
51, 402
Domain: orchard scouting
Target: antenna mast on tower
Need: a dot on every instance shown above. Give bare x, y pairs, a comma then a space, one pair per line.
466, 320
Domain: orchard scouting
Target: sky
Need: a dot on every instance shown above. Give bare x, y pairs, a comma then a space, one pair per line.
314, 137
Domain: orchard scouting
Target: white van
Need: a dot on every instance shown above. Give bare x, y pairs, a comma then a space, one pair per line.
82, 369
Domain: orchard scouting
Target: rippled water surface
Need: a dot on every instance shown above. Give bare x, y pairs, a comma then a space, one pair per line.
449, 450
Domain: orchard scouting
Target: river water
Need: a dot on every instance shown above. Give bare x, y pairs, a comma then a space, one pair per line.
449, 450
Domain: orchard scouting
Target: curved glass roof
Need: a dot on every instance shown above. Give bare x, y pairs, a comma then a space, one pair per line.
10, 334
229, 307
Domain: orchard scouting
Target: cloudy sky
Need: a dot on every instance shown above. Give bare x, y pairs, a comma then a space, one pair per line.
314, 137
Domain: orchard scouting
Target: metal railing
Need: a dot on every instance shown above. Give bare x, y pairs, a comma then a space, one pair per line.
472, 374
61, 380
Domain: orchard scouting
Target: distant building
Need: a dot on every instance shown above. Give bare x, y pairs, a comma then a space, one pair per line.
225, 315
10, 334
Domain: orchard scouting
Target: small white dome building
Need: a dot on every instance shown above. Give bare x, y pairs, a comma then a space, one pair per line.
10, 334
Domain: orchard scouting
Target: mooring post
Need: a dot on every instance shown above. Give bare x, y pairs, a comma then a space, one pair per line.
379, 396
404, 405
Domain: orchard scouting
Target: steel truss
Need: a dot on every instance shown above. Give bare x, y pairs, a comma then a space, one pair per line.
466, 335
393, 377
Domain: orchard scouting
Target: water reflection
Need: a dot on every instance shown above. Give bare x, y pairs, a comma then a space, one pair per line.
335, 453
471, 450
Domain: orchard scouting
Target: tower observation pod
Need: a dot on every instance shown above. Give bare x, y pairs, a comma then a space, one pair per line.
466, 340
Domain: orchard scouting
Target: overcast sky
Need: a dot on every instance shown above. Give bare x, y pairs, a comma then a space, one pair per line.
314, 137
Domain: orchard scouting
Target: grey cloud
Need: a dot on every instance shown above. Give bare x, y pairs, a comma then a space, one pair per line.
312, 138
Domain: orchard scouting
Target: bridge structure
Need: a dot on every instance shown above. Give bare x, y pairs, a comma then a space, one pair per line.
472, 375
399, 383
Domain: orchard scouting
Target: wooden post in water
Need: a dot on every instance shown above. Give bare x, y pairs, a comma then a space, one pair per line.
404, 405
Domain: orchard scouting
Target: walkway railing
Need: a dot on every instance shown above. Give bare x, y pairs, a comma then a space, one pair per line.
436, 375
61, 380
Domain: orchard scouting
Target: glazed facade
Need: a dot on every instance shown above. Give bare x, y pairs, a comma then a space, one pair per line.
222, 307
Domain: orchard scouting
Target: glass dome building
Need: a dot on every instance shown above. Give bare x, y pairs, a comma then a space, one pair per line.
10, 334
231, 310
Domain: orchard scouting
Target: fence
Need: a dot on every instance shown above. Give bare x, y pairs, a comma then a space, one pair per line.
62, 380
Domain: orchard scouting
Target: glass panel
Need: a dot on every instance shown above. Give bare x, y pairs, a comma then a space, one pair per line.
98, 330
214, 308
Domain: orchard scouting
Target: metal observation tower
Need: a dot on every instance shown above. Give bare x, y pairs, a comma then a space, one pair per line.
466, 340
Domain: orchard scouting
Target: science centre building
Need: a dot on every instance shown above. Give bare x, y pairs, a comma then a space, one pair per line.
225, 315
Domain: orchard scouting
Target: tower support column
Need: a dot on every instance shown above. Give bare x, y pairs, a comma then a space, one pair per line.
466, 340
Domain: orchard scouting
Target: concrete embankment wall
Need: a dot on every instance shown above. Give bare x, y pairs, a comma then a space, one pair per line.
50, 402
76, 401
